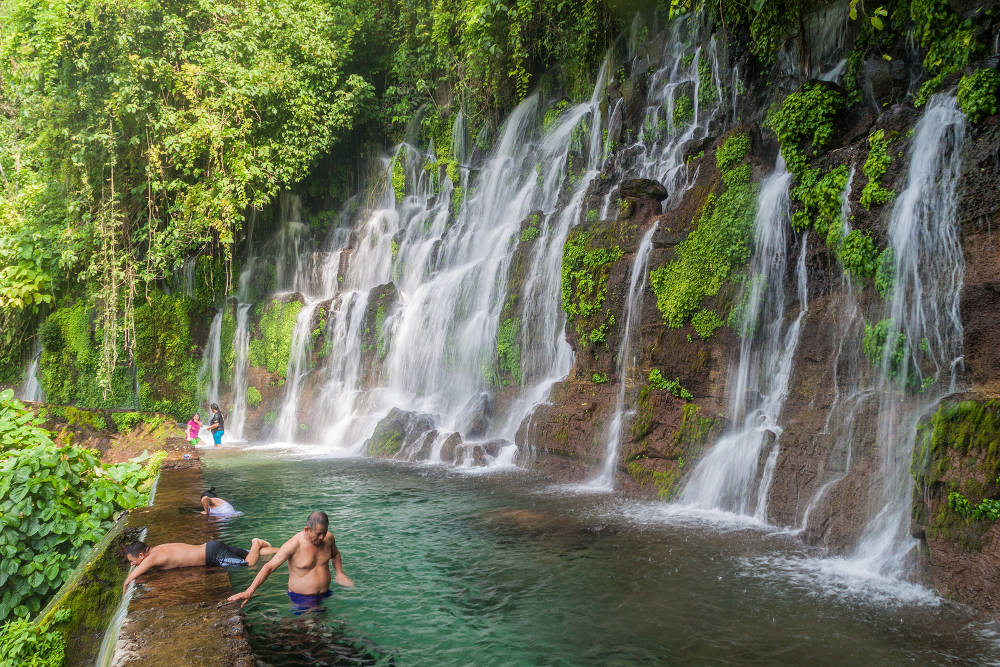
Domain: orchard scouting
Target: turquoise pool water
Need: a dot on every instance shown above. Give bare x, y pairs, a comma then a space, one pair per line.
456, 569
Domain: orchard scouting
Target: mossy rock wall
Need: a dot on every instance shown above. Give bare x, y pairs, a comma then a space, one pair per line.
163, 366
92, 595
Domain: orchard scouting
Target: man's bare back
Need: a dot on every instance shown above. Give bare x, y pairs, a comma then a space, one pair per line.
309, 554
177, 554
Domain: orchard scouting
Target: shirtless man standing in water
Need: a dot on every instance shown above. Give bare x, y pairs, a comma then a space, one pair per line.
309, 553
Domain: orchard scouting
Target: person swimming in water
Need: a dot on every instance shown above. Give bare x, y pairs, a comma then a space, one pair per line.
215, 506
177, 554
309, 554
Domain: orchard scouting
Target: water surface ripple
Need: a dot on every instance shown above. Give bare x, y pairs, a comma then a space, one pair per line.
495, 569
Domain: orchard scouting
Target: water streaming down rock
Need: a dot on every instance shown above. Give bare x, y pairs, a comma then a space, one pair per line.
851, 387
288, 422
211, 358
626, 360
444, 253
736, 472
451, 279
241, 352
921, 352
31, 388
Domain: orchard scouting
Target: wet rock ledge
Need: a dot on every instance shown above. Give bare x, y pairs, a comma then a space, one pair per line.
179, 617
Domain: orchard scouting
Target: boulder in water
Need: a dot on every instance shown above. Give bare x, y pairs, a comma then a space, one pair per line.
476, 416
453, 442
396, 430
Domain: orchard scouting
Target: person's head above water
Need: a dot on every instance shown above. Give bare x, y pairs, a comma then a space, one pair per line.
316, 527
136, 551
210, 493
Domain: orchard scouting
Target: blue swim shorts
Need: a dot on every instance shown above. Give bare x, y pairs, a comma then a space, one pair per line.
217, 434
308, 602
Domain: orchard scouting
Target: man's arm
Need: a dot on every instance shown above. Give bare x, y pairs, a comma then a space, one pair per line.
284, 553
151, 560
338, 566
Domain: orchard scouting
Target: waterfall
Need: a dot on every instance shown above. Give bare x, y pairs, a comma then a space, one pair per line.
736, 472
448, 246
851, 391
208, 372
241, 351
31, 388
187, 276
626, 359
340, 392
288, 423
922, 352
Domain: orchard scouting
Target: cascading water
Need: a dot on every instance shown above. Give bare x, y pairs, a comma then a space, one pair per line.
241, 353
626, 360
31, 388
448, 248
450, 279
922, 328
735, 473
287, 424
851, 391
208, 372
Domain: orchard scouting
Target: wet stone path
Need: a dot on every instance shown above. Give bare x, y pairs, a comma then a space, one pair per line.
178, 617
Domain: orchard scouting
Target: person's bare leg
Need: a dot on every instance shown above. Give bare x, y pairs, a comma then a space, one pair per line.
258, 548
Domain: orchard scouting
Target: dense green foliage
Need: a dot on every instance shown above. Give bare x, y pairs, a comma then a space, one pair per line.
889, 351
54, 502
979, 94
957, 458
584, 283
136, 133
272, 347
858, 254
165, 372
874, 168
24, 644
509, 352
657, 381
719, 241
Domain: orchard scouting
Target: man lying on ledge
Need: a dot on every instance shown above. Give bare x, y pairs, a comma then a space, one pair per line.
177, 554
309, 553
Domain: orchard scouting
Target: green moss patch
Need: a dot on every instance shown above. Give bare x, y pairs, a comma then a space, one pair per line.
272, 345
586, 260
956, 465
718, 243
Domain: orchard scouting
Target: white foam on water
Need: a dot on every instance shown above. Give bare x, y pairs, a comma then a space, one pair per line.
714, 519
847, 580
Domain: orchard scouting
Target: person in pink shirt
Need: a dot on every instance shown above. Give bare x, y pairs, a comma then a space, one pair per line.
194, 425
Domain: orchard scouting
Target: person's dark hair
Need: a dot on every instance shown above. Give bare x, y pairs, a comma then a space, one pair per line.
136, 549
210, 493
215, 406
318, 520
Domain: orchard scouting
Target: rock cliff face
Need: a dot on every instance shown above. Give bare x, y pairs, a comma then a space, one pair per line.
675, 389
828, 455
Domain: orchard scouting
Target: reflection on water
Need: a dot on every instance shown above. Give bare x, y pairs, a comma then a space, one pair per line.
455, 569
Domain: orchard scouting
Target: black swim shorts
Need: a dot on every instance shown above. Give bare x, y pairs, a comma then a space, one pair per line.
219, 553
